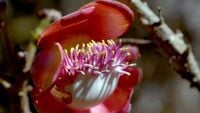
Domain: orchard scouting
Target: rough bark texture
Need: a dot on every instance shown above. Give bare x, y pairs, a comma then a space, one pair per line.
179, 53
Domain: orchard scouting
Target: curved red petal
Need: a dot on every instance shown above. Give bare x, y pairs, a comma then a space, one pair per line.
98, 20
132, 80
68, 25
47, 103
46, 66
127, 12
109, 20
119, 100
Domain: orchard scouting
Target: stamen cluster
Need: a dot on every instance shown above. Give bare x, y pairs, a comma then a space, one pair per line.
97, 58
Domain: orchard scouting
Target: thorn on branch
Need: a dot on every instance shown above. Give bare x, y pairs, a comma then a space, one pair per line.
157, 24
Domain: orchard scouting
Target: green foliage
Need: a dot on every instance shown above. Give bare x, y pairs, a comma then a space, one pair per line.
20, 27
41, 26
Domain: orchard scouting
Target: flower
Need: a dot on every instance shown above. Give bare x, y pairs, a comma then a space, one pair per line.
81, 67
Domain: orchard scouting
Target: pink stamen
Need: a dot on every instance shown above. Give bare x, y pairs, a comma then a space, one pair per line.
97, 58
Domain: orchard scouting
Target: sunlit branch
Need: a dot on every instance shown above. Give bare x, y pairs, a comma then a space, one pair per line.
25, 105
180, 55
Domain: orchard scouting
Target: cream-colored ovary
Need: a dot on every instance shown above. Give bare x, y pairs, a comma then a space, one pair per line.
90, 90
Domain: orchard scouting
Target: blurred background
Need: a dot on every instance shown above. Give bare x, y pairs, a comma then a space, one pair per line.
161, 89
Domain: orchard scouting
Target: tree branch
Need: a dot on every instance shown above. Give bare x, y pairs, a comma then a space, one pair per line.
25, 106
30, 55
135, 41
180, 55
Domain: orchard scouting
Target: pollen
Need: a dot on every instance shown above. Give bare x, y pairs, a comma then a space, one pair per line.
97, 58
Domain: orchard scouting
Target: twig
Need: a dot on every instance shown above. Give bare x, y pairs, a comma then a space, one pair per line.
135, 41
5, 83
31, 51
181, 57
25, 106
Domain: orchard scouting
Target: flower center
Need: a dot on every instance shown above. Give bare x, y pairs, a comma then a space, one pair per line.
98, 66
97, 58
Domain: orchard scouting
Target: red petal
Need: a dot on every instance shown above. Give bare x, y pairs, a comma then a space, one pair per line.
118, 102
134, 54
98, 20
68, 25
110, 19
46, 66
126, 81
100, 109
127, 12
74, 39
46, 103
